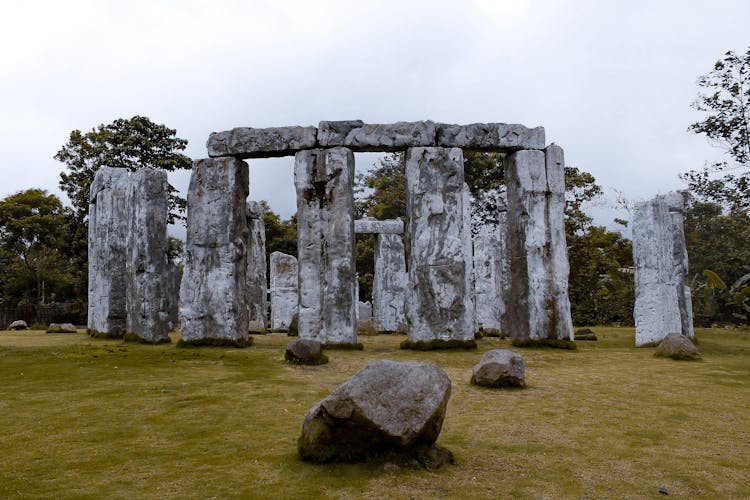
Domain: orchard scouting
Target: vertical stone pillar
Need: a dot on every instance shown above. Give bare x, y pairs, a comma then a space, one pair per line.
324, 180
175, 277
108, 217
257, 284
146, 269
213, 293
538, 305
284, 290
504, 267
439, 312
662, 300
488, 280
389, 284
469, 257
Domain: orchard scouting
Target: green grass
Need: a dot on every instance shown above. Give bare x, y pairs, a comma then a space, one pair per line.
87, 418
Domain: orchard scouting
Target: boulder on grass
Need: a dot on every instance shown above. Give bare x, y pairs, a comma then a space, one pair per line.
499, 368
585, 334
385, 408
61, 328
305, 352
677, 346
18, 325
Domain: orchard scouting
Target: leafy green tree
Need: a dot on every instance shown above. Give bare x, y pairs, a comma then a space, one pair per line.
281, 235
727, 104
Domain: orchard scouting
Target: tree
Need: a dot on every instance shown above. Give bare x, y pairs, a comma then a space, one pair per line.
727, 126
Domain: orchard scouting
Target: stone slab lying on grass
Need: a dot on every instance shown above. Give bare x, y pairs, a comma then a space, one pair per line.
386, 406
585, 334
678, 347
499, 368
18, 325
61, 328
305, 352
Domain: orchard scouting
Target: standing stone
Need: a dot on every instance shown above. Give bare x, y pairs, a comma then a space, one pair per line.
538, 305
256, 267
174, 274
389, 284
488, 279
108, 216
324, 180
146, 268
504, 266
284, 290
469, 257
662, 300
439, 312
213, 293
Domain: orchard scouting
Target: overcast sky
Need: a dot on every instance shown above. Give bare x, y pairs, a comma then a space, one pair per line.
611, 82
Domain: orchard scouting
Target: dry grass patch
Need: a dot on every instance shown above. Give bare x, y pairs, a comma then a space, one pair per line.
101, 418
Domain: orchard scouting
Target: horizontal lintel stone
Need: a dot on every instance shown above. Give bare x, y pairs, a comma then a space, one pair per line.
245, 142
390, 226
366, 137
491, 137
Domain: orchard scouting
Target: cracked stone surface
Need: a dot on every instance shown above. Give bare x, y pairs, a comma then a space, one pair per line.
377, 137
245, 142
388, 226
488, 284
256, 267
389, 284
284, 290
494, 137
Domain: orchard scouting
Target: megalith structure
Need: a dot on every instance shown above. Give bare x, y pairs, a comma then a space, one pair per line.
257, 284
213, 293
108, 219
324, 180
469, 256
284, 290
538, 304
662, 299
440, 308
489, 248
146, 269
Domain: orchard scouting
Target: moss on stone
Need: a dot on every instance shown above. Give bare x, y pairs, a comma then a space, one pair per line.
216, 342
544, 343
96, 334
431, 345
134, 337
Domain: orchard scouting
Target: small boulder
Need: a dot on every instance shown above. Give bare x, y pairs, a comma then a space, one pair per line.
677, 346
387, 407
499, 368
18, 325
61, 328
305, 352
585, 334
294, 326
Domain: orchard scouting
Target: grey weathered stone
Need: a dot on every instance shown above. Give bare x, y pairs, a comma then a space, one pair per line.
469, 257
389, 284
61, 328
662, 300
440, 307
245, 142
284, 290
389, 226
108, 216
305, 352
18, 324
488, 285
174, 278
386, 405
146, 266
364, 311
499, 368
379, 137
334, 133
494, 137
257, 282
538, 304
324, 180
213, 293
677, 346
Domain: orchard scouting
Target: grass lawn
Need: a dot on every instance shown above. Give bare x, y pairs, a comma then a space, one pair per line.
84, 418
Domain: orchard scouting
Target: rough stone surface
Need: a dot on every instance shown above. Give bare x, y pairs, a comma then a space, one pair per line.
662, 300
390, 226
469, 257
585, 334
440, 307
146, 266
499, 368
324, 180
244, 142
257, 281
305, 352
488, 285
334, 133
18, 324
380, 137
677, 346
61, 328
389, 284
108, 216
284, 290
174, 277
385, 406
364, 311
213, 294
538, 305
496, 137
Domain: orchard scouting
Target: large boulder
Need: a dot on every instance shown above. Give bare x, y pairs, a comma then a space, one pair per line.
499, 368
61, 328
677, 346
385, 407
18, 325
305, 352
